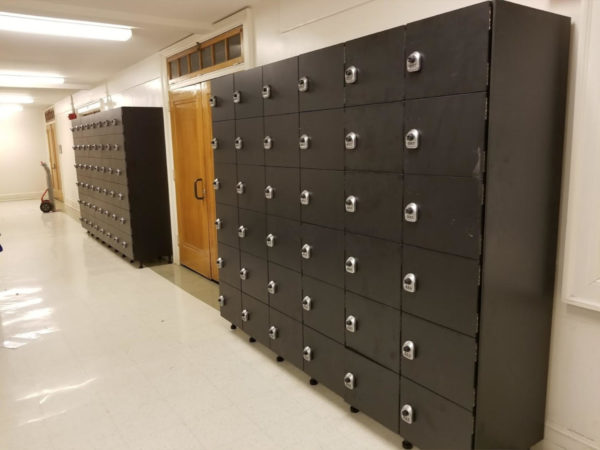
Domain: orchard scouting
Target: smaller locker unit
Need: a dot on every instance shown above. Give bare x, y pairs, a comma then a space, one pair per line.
122, 180
387, 215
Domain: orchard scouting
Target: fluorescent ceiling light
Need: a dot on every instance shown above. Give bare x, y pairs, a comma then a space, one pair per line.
63, 27
15, 99
27, 79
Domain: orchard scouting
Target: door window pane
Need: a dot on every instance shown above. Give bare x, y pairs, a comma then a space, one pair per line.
206, 57
219, 52
174, 69
195, 62
235, 46
183, 65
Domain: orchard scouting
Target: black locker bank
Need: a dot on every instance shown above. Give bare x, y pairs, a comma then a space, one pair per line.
387, 218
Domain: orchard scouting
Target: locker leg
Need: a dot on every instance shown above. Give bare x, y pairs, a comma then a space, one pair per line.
313, 382
233, 327
251, 339
406, 444
280, 359
354, 410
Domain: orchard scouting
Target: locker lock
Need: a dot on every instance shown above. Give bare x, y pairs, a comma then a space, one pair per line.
237, 97
244, 275
273, 332
238, 143
306, 303
407, 414
270, 240
349, 380
408, 350
266, 91
220, 263
218, 223
307, 353
221, 300
351, 203
351, 75
216, 184
269, 192
245, 315
414, 62
214, 143
351, 264
304, 142
351, 141
411, 212
351, 324
212, 101
242, 231
303, 84
267, 143
272, 287
306, 251
411, 140
240, 187
409, 282
121, 196
304, 198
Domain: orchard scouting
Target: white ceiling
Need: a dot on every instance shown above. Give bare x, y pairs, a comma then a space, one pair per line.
85, 62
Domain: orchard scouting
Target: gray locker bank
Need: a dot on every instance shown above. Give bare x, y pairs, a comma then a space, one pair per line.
387, 218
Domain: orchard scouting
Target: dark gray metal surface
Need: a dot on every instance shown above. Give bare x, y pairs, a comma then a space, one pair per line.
222, 89
283, 130
327, 362
326, 314
258, 319
282, 77
326, 132
286, 199
327, 254
228, 216
249, 84
253, 196
325, 71
286, 298
230, 272
326, 205
289, 337
286, 248
232, 307
255, 283
256, 229
227, 176
251, 132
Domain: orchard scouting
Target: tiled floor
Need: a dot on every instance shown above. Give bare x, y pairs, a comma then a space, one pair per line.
98, 354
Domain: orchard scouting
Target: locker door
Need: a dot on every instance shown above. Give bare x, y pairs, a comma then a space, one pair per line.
323, 254
321, 79
323, 308
230, 300
221, 98
285, 290
286, 337
251, 232
281, 140
284, 242
324, 360
322, 197
253, 276
246, 97
281, 80
321, 140
256, 319
227, 224
248, 141
250, 188
284, 186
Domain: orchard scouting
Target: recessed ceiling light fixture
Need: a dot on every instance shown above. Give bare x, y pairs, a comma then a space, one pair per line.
15, 99
63, 27
29, 79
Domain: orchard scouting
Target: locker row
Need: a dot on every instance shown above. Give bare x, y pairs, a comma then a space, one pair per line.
101, 147
102, 170
417, 356
117, 239
107, 213
438, 136
414, 61
98, 124
113, 193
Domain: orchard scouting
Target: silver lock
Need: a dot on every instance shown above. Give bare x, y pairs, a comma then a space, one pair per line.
238, 143
110, 170
112, 194
116, 147
414, 62
245, 315
216, 184
272, 287
304, 142
124, 244
121, 196
303, 84
407, 414
273, 332
411, 140
351, 141
240, 187
242, 231
220, 263
221, 300
266, 91
351, 203
411, 212
244, 273
270, 240
349, 381
237, 97
304, 197
351, 324
269, 192
267, 143
408, 350
351, 264
212, 101
306, 251
214, 143
307, 303
118, 171
409, 282
115, 217
351, 75
114, 122
218, 223
307, 353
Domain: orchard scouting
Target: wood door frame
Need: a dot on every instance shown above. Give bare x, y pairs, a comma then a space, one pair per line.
54, 160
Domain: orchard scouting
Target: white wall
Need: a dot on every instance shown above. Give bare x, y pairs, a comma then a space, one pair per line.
22, 147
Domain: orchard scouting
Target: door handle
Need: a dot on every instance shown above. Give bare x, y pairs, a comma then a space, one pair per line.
196, 189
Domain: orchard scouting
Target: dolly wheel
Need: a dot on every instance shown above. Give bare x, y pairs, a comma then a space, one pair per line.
46, 206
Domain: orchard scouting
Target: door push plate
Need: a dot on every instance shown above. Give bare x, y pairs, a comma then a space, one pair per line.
411, 212
307, 353
351, 203
349, 381
303, 84
304, 142
351, 264
267, 143
270, 240
240, 188
266, 91
216, 184
220, 263
351, 141
351, 324
306, 303
245, 315
212, 101
214, 143
238, 143
412, 138
306, 251
244, 273
218, 223
242, 230
221, 300
408, 350
273, 332
304, 198
237, 97
269, 192
272, 287
409, 282
351, 75
414, 62
407, 414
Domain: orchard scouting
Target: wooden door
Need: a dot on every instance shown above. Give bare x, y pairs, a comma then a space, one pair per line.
191, 126
54, 161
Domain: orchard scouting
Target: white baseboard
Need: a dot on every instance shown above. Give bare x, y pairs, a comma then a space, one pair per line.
20, 196
557, 437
